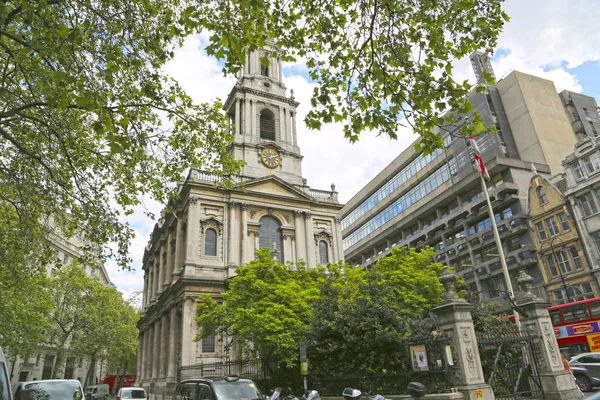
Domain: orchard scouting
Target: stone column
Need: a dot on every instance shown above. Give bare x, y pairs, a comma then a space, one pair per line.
244, 236
156, 349
311, 261
293, 115
558, 384
233, 242
161, 270
153, 280
140, 357
281, 125
170, 258
172, 358
253, 116
157, 283
192, 231
164, 346
454, 316
188, 331
149, 355
247, 117
299, 234
144, 292
237, 117
337, 240
178, 246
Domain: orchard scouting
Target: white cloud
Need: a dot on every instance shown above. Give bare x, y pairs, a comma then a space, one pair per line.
542, 38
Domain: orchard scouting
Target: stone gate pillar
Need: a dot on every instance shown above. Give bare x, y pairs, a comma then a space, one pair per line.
454, 316
558, 384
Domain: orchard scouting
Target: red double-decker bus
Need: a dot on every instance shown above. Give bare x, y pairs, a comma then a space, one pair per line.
576, 326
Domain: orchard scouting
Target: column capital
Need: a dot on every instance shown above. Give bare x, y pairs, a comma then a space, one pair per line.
194, 199
244, 206
307, 215
297, 213
232, 204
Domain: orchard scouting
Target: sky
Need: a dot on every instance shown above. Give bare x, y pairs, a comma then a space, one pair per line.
554, 39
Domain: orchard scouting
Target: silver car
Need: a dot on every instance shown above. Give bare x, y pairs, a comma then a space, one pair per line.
586, 369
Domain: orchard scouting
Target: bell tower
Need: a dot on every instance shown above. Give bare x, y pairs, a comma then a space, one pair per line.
264, 119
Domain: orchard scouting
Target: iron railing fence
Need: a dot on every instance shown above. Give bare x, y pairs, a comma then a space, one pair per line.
510, 361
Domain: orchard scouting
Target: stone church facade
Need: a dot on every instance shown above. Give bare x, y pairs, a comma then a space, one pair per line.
215, 230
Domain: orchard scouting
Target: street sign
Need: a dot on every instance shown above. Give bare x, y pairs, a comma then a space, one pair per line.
304, 368
302, 352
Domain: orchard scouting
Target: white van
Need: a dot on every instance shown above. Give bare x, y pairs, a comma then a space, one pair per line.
5, 392
97, 392
132, 393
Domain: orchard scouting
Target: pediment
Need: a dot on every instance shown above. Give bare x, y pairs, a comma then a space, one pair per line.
275, 186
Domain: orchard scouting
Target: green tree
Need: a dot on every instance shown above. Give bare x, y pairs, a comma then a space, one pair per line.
374, 61
88, 122
24, 295
267, 305
72, 296
362, 319
109, 327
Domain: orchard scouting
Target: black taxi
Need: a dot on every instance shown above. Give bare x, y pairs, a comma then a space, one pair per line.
228, 388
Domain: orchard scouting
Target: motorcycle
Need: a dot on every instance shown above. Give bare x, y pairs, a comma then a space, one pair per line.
415, 389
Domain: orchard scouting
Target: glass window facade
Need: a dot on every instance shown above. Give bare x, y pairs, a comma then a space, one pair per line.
563, 221
588, 205
270, 234
421, 190
390, 186
323, 252
210, 242
552, 226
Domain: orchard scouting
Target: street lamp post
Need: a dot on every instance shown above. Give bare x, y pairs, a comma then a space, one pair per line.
562, 278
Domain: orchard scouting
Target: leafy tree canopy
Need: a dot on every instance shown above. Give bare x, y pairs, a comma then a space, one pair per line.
90, 318
374, 61
88, 122
362, 319
267, 304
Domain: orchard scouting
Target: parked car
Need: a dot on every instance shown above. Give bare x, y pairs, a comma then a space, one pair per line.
51, 389
5, 393
228, 388
136, 393
97, 392
586, 369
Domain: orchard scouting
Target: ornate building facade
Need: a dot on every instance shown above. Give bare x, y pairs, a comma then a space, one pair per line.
561, 257
215, 230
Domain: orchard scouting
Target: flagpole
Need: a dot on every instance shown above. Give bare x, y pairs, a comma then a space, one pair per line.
499, 246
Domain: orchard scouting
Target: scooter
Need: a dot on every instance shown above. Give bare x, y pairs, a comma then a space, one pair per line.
415, 389
355, 394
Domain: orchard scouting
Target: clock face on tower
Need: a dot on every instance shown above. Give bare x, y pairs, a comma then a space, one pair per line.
270, 158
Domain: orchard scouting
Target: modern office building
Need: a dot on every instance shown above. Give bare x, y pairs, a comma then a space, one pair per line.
436, 199
582, 169
560, 254
217, 229
582, 112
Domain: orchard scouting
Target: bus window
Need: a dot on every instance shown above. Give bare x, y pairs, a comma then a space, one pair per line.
555, 317
578, 312
595, 307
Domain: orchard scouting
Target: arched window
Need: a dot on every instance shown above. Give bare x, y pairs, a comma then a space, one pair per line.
269, 233
264, 70
323, 252
210, 242
267, 125
541, 192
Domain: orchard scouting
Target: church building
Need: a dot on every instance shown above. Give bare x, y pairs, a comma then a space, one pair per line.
215, 230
